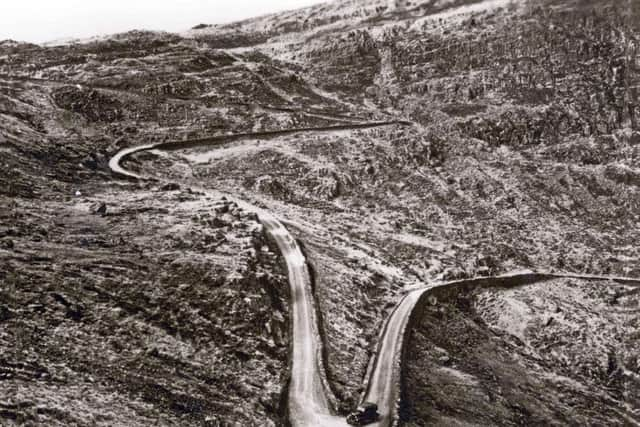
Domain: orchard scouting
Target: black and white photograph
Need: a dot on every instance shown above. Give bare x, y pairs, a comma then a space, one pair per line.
308, 213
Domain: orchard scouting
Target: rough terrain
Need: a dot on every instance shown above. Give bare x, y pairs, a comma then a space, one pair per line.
556, 352
127, 317
522, 153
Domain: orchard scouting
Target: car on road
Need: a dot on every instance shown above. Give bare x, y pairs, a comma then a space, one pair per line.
366, 413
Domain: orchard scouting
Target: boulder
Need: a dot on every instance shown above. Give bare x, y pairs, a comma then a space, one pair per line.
90, 163
7, 244
100, 209
222, 209
5, 313
172, 186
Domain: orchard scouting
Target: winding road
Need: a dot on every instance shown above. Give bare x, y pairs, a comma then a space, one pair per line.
308, 391
386, 367
309, 395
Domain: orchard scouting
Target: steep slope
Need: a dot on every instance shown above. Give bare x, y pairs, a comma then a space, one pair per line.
522, 153
553, 353
147, 314
519, 158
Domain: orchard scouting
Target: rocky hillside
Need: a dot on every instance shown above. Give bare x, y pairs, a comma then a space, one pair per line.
520, 151
149, 313
556, 353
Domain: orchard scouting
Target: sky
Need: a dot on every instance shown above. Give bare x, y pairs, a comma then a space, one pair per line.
39, 21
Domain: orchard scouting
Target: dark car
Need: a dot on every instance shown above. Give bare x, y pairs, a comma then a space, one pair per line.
366, 413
